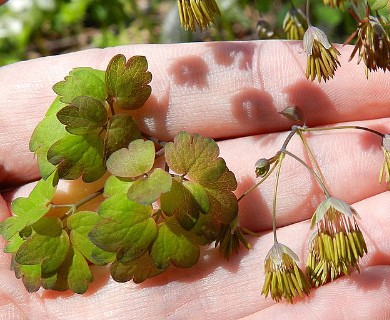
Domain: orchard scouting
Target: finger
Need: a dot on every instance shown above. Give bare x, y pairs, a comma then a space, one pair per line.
350, 161
362, 296
218, 289
218, 90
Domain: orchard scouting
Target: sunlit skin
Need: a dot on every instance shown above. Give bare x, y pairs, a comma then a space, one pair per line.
235, 98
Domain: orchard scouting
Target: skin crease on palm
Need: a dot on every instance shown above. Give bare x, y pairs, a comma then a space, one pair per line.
231, 92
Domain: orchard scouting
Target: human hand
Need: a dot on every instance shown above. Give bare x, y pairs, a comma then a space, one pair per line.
231, 92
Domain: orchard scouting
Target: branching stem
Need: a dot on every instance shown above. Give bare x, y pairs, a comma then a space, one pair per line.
258, 183
74, 206
317, 177
311, 156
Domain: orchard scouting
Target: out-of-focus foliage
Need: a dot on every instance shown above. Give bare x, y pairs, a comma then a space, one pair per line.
33, 28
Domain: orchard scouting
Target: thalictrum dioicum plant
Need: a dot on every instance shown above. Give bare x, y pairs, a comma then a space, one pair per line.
153, 204
159, 202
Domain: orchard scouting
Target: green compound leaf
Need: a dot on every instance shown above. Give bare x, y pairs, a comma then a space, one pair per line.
137, 270
80, 224
29, 210
122, 129
185, 201
82, 82
128, 82
73, 274
48, 131
127, 228
77, 156
13, 244
30, 275
79, 274
174, 245
133, 161
147, 190
115, 185
196, 157
84, 115
223, 206
48, 246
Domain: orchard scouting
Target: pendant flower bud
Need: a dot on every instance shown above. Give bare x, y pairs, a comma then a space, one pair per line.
322, 58
262, 167
294, 24
293, 113
229, 239
197, 12
283, 278
385, 170
373, 44
338, 243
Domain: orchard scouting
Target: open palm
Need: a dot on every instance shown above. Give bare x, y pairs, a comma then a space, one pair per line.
231, 92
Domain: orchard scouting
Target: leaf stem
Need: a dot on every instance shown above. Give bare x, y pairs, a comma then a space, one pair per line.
159, 142
250, 232
74, 206
111, 105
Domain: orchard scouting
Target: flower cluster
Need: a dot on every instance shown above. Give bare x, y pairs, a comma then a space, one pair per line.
197, 12
338, 243
294, 24
372, 44
229, 239
322, 58
283, 278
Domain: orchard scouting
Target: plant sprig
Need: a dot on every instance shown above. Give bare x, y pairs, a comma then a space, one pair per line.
148, 219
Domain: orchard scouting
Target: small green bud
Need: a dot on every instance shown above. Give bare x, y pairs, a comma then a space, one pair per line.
262, 167
293, 113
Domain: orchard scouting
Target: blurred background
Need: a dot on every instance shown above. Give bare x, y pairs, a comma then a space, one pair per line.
34, 28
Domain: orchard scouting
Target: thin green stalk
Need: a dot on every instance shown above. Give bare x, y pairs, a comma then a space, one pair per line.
281, 157
316, 176
311, 156
250, 232
308, 13
293, 131
257, 184
74, 206
343, 127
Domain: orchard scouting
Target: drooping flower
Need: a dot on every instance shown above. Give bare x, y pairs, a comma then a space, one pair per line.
197, 12
294, 24
372, 44
385, 169
338, 243
322, 58
262, 167
229, 239
283, 278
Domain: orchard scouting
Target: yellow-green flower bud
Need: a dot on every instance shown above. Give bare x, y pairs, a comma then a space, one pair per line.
262, 167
